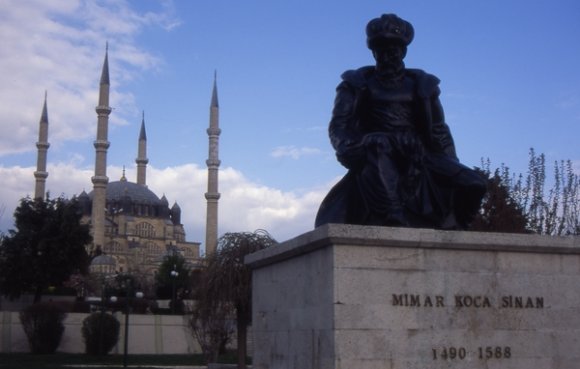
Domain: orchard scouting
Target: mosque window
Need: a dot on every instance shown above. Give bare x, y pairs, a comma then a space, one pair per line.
153, 249
112, 229
145, 230
188, 252
113, 247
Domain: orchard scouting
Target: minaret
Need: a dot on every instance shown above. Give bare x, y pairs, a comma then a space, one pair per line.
42, 146
101, 144
142, 155
212, 195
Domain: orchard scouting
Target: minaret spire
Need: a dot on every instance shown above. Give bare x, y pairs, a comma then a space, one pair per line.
214, 96
142, 155
212, 195
100, 179
40, 174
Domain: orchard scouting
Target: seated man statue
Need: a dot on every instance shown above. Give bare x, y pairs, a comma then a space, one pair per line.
388, 129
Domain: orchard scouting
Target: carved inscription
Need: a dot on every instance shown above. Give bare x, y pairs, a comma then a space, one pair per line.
462, 353
468, 301
418, 300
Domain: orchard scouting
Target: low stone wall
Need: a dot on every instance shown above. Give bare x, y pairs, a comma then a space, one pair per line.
148, 334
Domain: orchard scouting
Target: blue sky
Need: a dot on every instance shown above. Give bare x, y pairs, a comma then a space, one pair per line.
508, 69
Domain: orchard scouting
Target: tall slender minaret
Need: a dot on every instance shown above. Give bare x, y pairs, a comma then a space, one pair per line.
142, 155
212, 195
100, 179
42, 146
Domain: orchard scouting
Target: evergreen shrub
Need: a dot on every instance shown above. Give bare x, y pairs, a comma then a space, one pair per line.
101, 332
43, 325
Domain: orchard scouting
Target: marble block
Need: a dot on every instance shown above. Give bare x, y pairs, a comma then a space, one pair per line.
344, 297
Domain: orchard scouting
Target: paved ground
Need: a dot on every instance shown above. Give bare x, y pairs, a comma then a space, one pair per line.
88, 366
224, 366
144, 366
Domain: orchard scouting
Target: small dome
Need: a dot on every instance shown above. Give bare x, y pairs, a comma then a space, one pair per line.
103, 260
103, 264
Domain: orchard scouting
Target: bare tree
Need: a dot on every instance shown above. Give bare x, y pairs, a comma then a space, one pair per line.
213, 328
225, 289
547, 210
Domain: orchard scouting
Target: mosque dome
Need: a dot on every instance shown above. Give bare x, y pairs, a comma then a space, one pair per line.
103, 260
123, 189
103, 264
133, 199
118, 190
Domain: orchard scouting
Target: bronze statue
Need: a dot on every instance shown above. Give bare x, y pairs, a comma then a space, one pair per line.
388, 129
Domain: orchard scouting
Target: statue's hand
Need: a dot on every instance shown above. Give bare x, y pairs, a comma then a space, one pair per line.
351, 155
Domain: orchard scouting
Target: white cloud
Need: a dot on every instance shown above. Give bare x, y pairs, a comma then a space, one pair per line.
244, 205
58, 46
18, 182
294, 152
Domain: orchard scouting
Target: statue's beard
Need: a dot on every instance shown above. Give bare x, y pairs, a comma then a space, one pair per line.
391, 70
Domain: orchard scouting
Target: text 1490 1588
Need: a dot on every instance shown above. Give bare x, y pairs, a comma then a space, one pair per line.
462, 353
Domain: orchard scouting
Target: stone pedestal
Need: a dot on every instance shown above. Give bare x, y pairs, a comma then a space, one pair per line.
359, 297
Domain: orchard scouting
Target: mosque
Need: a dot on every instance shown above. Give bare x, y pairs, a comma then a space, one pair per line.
132, 228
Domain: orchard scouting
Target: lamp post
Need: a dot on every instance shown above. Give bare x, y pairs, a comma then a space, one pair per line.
129, 287
174, 274
103, 309
103, 306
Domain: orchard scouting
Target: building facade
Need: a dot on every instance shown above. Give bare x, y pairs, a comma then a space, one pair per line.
140, 229
132, 228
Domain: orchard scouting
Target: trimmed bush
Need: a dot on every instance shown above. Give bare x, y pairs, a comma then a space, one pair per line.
43, 325
101, 332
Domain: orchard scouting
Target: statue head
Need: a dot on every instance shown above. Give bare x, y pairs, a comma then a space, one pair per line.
389, 29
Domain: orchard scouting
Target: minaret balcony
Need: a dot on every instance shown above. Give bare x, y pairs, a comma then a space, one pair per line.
101, 144
40, 174
212, 195
103, 110
213, 163
212, 131
102, 180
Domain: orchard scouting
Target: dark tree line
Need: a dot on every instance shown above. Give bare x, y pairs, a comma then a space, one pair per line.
173, 281
531, 203
45, 248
